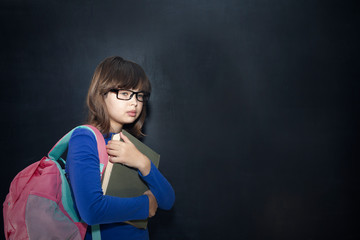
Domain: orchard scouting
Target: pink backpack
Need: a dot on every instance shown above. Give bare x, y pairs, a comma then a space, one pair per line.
39, 204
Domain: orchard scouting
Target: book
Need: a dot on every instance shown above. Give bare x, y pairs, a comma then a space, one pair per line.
123, 181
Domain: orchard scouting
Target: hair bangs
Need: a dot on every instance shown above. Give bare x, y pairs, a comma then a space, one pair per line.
127, 75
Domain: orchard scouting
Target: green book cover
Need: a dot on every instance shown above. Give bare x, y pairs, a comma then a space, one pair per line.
122, 181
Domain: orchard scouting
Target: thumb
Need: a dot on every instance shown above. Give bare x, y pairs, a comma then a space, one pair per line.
147, 192
124, 138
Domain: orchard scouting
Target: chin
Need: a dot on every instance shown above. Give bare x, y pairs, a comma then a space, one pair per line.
130, 121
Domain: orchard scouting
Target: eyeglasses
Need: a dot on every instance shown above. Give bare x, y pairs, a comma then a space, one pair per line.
124, 94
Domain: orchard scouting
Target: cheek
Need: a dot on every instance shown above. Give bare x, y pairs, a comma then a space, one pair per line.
113, 106
139, 109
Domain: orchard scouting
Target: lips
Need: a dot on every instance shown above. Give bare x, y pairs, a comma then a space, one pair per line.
131, 113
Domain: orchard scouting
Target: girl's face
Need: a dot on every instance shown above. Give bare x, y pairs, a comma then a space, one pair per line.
122, 111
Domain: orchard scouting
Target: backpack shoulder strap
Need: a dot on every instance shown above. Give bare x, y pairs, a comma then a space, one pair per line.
103, 156
61, 146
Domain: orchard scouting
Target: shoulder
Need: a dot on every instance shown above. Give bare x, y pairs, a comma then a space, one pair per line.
82, 130
83, 135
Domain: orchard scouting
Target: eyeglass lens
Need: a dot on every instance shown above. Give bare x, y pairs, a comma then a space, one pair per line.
127, 95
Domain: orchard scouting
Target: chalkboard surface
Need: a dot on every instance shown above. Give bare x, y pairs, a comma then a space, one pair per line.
254, 108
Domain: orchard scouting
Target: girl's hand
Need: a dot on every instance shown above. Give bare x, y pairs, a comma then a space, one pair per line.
126, 153
152, 203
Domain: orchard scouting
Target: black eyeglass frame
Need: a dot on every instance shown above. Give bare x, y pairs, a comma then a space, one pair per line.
145, 98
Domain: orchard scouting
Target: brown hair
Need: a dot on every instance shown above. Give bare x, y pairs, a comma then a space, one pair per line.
115, 73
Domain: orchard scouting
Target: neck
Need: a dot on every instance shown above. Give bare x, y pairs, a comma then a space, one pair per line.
115, 127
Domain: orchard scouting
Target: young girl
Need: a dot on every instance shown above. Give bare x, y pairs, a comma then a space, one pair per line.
116, 100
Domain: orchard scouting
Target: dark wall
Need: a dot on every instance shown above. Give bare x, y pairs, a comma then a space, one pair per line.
255, 105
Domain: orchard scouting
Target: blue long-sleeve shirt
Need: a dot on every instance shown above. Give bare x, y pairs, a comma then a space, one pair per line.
82, 168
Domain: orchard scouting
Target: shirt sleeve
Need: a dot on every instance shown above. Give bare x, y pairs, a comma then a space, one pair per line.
83, 169
160, 187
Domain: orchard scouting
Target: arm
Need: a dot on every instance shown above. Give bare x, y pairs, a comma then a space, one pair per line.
160, 187
84, 174
126, 153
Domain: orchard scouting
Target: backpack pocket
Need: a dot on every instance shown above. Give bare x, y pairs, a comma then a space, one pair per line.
45, 220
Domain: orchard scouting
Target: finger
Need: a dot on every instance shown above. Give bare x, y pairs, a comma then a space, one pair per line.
114, 142
113, 152
114, 159
114, 145
110, 146
147, 192
125, 138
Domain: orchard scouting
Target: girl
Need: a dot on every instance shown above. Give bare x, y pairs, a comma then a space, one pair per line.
116, 100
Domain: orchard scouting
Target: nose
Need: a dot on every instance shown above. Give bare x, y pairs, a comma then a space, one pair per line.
133, 100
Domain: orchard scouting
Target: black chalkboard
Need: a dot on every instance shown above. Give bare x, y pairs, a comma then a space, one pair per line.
254, 109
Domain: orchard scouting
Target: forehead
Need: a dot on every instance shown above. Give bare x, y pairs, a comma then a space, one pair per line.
131, 85
132, 89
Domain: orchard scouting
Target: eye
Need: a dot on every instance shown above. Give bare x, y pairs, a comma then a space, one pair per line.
124, 93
